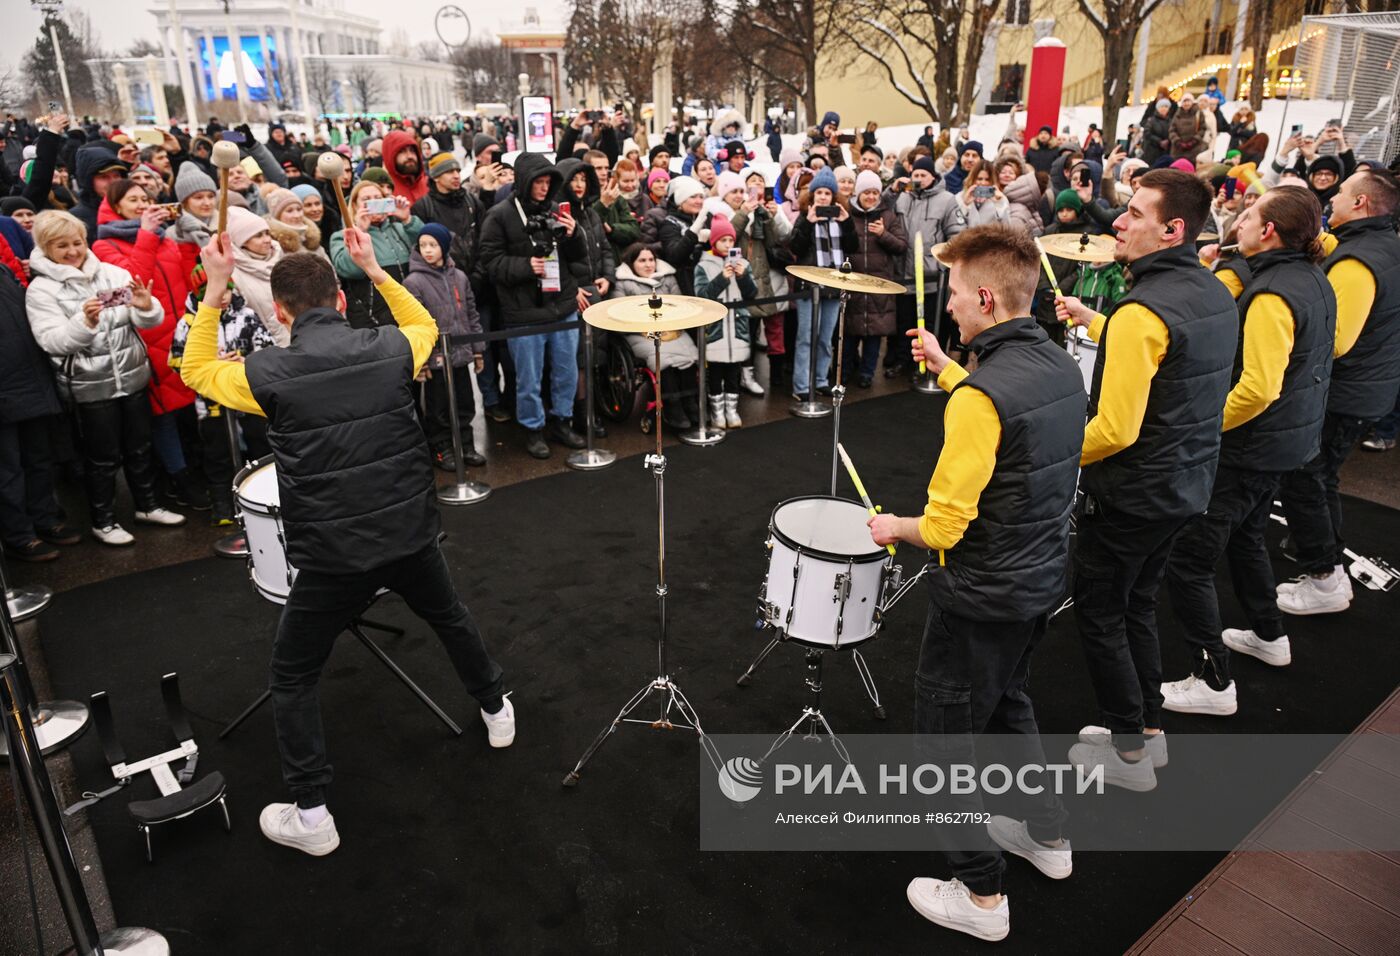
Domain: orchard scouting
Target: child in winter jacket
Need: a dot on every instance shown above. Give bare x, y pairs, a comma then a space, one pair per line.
443, 289
725, 278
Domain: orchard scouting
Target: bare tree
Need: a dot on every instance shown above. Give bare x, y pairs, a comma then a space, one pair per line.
368, 84
1258, 26
614, 44
776, 35
485, 72
320, 84
1118, 27
11, 90
144, 46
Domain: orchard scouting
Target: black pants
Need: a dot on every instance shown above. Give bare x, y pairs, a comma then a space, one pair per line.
116, 434
1233, 527
437, 423
723, 378
971, 681
318, 611
219, 466
26, 481
862, 354
1310, 500
1119, 560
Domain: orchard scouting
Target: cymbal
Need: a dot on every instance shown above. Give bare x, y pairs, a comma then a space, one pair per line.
1080, 248
1208, 237
937, 251
849, 281
633, 313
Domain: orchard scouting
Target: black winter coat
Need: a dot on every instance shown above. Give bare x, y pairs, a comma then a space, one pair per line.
26, 376
598, 261
461, 213
803, 247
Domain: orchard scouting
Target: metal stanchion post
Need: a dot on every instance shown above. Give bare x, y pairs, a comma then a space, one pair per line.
235, 544
23, 602
48, 823
927, 384
811, 408
55, 722
464, 492
702, 433
588, 458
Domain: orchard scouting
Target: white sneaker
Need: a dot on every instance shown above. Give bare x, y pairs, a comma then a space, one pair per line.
1154, 744
113, 534
1138, 777
947, 903
500, 726
1276, 653
1339, 575
1013, 837
748, 383
1195, 696
282, 823
160, 516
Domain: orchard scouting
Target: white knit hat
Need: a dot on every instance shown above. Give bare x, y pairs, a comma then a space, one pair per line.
684, 187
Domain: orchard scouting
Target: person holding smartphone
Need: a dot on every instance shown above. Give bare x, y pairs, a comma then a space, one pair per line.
824, 235
394, 231
981, 200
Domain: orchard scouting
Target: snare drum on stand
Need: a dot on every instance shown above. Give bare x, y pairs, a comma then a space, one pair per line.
260, 504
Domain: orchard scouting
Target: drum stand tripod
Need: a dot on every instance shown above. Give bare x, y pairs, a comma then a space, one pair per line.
812, 714
234, 544
671, 700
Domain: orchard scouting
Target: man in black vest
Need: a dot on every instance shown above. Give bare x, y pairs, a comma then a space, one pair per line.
998, 515
1271, 424
355, 478
1150, 449
1364, 271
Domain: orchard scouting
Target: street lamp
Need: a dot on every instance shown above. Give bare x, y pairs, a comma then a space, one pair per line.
51, 9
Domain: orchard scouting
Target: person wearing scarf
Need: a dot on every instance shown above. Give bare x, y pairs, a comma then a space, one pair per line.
286, 219
254, 255
823, 241
198, 197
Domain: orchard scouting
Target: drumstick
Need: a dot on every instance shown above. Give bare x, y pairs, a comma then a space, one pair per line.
919, 290
855, 480
1049, 273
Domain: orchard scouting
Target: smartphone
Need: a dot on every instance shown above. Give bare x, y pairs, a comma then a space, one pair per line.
845, 137
755, 192
172, 209
735, 253
233, 136
111, 298
983, 192
55, 107
565, 209
1084, 177
1123, 145
147, 136
595, 115
828, 212
380, 207
1297, 129
1230, 184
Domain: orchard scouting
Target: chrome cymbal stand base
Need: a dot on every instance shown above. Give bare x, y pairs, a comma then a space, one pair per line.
811, 408
464, 492
704, 433
54, 722
588, 458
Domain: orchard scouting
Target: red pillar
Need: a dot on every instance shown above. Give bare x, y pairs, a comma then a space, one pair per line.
1046, 87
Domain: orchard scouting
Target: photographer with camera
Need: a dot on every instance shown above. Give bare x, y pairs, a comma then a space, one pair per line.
527, 246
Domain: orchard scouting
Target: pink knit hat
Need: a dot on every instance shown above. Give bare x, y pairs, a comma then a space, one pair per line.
719, 228
656, 174
1184, 164
727, 182
244, 225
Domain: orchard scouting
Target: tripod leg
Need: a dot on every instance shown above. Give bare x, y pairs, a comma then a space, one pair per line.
747, 677
571, 778
868, 680
386, 628
263, 698
388, 662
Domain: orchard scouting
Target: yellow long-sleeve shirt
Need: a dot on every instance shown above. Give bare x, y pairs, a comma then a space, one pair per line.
971, 436
1134, 353
1268, 339
1355, 287
227, 382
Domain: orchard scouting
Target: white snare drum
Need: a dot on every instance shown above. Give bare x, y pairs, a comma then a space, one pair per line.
826, 578
1084, 351
258, 501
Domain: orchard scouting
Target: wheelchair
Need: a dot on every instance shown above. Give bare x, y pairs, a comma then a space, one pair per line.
621, 384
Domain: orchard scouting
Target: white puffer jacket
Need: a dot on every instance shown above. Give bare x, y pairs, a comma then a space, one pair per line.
92, 365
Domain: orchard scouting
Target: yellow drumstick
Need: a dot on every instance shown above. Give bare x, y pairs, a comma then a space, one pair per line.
1049, 272
860, 488
919, 288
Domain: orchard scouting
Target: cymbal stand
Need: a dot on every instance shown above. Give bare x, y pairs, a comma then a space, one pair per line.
464, 492
703, 433
235, 543
54, 722
674, 711
811, 408
927, 383
587, 458
838, 391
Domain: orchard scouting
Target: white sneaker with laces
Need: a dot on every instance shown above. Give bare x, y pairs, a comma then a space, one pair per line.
500, 726
1317, 595
1195, 696
748, 382
1136, 776
113, 534
1276, 653
1154, 744
1014, 837
282, 823
1339, 574
161, 516
947, 903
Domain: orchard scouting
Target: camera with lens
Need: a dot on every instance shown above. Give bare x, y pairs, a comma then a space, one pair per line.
543, 229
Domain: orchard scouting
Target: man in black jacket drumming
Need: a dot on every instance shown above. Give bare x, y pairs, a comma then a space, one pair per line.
355, 480
527, 246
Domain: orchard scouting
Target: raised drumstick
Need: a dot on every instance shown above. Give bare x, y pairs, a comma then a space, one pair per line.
331, 166
224, 157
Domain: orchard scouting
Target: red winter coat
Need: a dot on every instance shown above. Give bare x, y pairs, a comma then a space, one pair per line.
411, 189
151, 258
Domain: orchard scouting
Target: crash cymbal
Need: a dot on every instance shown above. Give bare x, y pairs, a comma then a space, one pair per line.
635, 313
848, 281
937, 251
1208, 237
1080, 247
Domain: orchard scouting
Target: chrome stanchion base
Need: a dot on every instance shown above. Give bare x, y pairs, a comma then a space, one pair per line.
463, 493
56, 723
135, 941
26, 602
926, 384
233, 545
590, 459
810, 409
705, 436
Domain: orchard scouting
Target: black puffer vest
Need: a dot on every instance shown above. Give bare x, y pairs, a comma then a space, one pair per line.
353, 467
1365, 380
1285, 435
1012, 562
1169, 471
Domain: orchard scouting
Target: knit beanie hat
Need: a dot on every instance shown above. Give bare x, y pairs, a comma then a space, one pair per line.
305, 191
926, 164
442, 163
1231, 154
481, 142
790, 154
13, 204
1164, 102
251, 167
830, 118
440, 235
824, 179
657, 150
244, 225
973, 145
684, 187
150, 169
1184, 164
377, 175
656, 174
843, 173
190, 180
1069, 199
279, 200
719, 228
26, 169
868, 180
727, 182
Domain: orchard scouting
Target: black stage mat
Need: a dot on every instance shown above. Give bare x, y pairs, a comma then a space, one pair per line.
450, 847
